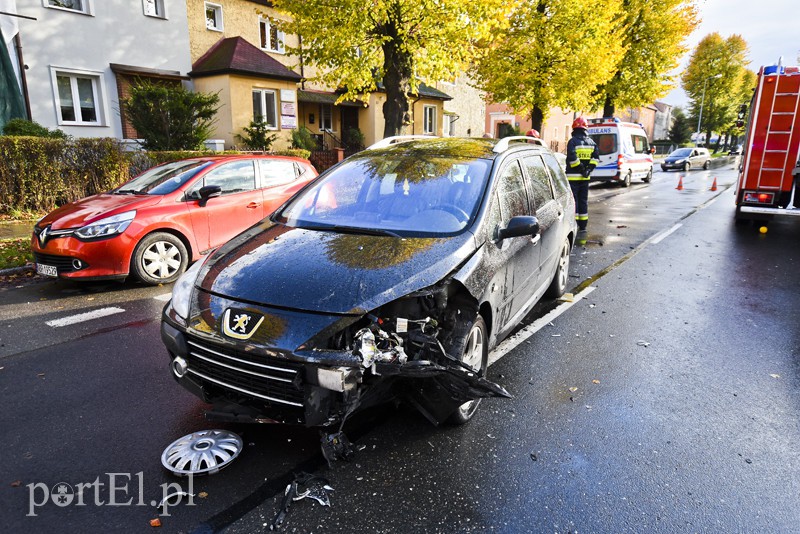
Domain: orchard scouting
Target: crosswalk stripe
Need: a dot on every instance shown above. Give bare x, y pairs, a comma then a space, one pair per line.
81, 317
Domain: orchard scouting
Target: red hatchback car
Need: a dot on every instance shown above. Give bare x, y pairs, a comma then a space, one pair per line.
156, 224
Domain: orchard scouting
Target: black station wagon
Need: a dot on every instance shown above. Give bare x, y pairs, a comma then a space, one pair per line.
389, 277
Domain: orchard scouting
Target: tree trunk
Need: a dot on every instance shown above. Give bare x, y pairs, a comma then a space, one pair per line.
537, 119
396, 81
608, 107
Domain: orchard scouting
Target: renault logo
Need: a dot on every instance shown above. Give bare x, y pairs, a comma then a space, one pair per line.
43, 235
240, 324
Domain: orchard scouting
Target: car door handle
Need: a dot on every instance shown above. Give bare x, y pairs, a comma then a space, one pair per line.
253, 205
535, 239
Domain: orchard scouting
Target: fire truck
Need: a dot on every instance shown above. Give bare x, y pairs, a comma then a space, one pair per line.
768, 175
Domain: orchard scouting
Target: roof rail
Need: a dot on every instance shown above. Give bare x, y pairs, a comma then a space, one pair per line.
395, 139
504, 143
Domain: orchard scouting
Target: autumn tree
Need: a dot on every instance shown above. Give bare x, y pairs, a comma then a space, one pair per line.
712, 81
397, 43
744, 95
652, 33
553, 53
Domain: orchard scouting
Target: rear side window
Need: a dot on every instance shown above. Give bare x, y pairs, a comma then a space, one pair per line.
640, 145
557, 172
539, 180
276, 172
606, 143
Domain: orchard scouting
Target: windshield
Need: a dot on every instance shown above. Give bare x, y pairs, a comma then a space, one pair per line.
163, 179
396, 194
681, 153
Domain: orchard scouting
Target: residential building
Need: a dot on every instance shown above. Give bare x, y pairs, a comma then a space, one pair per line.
555, 132
663, 122
645, 115
80, 57
465, 114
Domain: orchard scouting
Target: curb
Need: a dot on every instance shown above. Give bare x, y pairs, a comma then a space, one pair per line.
16, 270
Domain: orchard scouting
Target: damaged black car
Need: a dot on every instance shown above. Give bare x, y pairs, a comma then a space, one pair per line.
390, 277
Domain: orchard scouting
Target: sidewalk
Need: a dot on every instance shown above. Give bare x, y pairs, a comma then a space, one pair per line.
14, 229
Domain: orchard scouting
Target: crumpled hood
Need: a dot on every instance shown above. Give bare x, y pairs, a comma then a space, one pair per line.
95, 207
321, 271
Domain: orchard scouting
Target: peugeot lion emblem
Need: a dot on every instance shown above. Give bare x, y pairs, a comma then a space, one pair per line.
240, 324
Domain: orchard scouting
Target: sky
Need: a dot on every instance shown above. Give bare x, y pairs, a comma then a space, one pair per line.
770, 27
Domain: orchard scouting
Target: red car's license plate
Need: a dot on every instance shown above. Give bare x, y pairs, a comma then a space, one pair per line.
46, 270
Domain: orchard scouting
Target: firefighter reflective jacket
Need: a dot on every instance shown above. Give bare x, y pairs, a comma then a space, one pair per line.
582, 156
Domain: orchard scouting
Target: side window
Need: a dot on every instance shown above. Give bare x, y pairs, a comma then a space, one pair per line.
511, 192
559, 178
235, 177
539, 180
640, 145
276, 172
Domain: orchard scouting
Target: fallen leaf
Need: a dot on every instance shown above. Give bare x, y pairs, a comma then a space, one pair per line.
775, 376
90, 298
155, 522
202, 494
16, 483
595, 381
573, 389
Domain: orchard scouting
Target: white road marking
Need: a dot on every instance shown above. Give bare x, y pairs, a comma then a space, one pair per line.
163, 298
514, 341
660, 237
81, 317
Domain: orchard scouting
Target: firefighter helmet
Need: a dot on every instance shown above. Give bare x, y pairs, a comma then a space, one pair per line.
533, 133
580, 122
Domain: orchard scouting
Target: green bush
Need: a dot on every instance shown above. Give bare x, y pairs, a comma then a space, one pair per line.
22, 127
257, 136
302, 138
38, 174
170, 117
293, 153
354, 139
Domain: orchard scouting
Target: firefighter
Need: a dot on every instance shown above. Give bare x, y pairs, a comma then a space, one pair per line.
582, 158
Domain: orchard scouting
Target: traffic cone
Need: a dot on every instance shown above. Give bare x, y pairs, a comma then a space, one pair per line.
714, 185
680, 183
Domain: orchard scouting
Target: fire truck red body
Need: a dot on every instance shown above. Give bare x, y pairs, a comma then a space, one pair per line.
768, 176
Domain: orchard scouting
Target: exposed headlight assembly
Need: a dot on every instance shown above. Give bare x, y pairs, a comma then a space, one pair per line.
182, 290
107, 227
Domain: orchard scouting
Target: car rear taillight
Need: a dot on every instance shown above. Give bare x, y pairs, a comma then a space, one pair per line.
754, 197
620, 160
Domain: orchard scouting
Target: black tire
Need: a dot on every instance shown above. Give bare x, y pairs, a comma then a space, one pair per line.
626, 182
706, 165
649, 178
159, 258
465, 347
687, 167
559, 284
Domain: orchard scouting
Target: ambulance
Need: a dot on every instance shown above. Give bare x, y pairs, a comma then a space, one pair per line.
625, 153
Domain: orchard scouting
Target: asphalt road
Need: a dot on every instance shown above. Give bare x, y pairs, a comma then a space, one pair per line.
664, 399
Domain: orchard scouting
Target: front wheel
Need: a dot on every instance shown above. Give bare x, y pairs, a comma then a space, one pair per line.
561, 276
471, 346
159, 258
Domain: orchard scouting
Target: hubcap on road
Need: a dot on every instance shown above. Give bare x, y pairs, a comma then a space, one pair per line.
202, 453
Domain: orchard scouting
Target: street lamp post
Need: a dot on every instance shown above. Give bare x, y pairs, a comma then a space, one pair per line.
702, 102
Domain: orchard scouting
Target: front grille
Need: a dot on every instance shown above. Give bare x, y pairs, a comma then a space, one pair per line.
260, 378
63, 264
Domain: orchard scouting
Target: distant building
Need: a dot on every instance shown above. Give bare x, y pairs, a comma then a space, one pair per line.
663, 122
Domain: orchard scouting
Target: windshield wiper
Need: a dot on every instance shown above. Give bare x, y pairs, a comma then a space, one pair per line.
355, 230
130, 192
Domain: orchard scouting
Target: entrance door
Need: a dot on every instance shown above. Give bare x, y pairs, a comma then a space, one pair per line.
349, 121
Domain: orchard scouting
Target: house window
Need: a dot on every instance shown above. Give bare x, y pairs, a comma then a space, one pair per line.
78, 98
325, 117
213, 17
271, 38
265, 107
429, 120
154, 8
81, 6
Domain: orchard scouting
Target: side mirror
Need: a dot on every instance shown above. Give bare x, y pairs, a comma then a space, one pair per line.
519, 226
207, 192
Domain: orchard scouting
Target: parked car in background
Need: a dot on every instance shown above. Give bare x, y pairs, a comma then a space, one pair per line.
391, 276
687, 159
156, 224
735, 150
